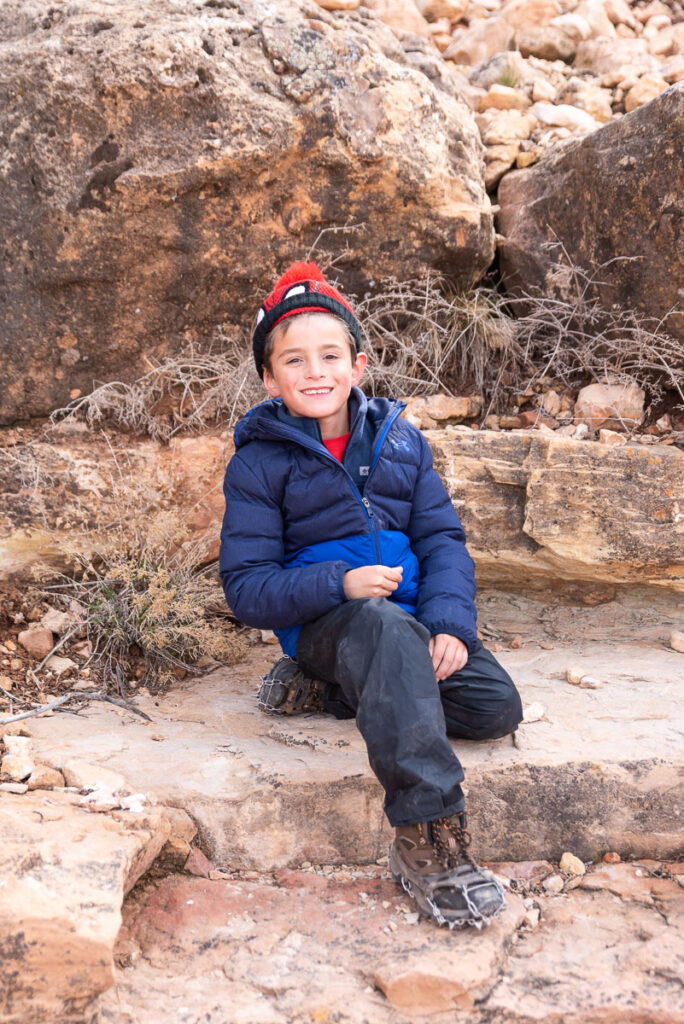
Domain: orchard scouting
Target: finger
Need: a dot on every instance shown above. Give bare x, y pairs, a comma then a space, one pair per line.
391, 572
438, 655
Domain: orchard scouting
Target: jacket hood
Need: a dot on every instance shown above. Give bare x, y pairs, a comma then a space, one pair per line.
264, 422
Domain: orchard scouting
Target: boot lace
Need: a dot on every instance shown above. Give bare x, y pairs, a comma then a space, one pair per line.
450, 840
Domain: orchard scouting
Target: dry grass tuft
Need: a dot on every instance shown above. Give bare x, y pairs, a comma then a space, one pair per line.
148, 603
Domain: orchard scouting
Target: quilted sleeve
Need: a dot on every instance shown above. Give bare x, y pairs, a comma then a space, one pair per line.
446, 593
258, 588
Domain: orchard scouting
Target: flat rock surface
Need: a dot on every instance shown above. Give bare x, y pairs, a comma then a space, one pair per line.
345, 946
594, 770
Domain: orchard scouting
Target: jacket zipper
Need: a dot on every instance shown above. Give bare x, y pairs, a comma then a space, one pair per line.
362, 499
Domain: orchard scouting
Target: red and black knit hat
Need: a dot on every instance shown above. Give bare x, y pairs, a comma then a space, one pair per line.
301, 289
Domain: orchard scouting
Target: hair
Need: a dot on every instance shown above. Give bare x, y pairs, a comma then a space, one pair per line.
281, 329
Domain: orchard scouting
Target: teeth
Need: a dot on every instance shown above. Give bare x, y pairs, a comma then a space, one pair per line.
317, 391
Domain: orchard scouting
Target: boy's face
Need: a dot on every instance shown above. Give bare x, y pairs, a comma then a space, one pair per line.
313, 372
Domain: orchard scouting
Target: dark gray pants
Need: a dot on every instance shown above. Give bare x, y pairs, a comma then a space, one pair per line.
375, 659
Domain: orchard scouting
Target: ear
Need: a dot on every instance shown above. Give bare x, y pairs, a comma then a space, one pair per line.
357, 369
270, 384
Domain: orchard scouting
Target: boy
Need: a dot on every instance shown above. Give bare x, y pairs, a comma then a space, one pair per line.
339, 535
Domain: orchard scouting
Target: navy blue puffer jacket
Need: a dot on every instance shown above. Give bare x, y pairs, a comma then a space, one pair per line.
295, 522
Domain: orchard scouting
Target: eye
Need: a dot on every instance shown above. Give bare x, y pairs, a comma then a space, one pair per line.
292, 360
332, 355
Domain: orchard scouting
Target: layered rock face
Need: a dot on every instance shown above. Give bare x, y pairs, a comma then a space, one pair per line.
537, 508
613, 195
162, 162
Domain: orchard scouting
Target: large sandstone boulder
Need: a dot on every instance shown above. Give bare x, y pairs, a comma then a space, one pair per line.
163, 161
612, 195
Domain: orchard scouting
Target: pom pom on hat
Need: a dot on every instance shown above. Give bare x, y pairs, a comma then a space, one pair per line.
301, 289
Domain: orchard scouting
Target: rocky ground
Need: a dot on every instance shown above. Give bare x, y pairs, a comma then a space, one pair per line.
266, 889
345, 945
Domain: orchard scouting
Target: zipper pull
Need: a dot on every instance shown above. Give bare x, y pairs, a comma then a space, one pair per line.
367, 505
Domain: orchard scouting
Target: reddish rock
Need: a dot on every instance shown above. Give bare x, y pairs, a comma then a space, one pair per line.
37, 642
618, 407
198, 864
535, 417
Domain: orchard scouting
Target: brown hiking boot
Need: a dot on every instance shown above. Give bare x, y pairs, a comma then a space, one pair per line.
285, 690
431, 861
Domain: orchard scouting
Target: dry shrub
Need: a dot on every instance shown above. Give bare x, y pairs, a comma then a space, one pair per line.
423, 337
577, 340
149, 604
185, 392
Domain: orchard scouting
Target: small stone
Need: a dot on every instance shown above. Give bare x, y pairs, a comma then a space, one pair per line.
13, 787
571, 865
574, 674
198, 864
510, 422
611, 437
60, 665
11, 646
647, 88
37, 642
17, 766
546, 646
447, 408
15, 665
611, 857
492, 422
677, 641
617, 406
538, 419
45, 777
563, 115
590, 683
268, 636
527, 157
531, 918
6, 683
503, 97
553, 884
20, 745
551, 403
581, 432
546, 42
56, 621
516, 643
534, 712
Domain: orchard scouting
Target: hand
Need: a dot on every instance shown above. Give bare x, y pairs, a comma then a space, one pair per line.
448, 653
372, 581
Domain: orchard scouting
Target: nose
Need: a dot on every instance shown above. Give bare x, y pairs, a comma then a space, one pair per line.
315, 369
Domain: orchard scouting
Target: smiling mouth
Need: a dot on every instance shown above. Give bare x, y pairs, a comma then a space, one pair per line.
317, 391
